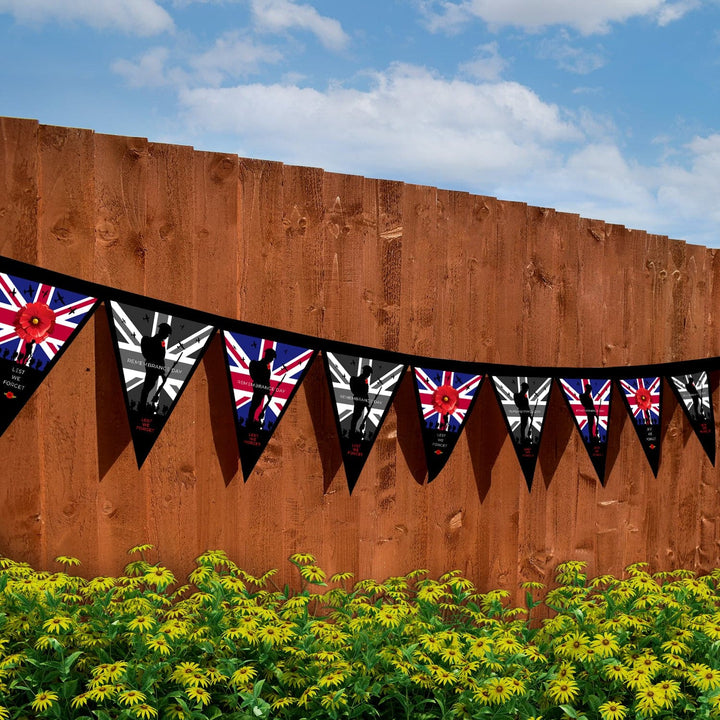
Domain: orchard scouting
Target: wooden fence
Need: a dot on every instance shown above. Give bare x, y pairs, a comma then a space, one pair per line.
367, 261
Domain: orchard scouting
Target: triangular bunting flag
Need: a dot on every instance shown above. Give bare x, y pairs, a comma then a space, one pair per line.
444, 400
693, 392
589, 401
524, 401
643, 399
157, 354
37, 323
362, 390
264, 375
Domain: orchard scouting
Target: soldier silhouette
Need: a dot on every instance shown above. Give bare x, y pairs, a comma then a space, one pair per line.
260, 372
697, 408
153, 350
359, 386
522, 403
586, 399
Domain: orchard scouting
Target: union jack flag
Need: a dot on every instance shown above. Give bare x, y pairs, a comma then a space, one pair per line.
69, 309
445, 397
182, 352
380, 390
694, 392
586, 396
643, 398
536, 392
287, 368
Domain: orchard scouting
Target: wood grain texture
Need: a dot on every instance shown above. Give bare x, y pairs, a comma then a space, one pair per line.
374, 262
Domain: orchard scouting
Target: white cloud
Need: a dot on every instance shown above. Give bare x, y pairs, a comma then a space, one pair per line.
149, 71
141, 17
410, 122
281, 15
487, 63
233, 56
531, 15
579, 60
495, 138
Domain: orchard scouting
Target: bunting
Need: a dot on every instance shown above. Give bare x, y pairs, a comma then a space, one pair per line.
643, 399
264, 375
589, 403
693, 393
362, 390
157, 353
158, 346
38, 321
524, 401
444, 400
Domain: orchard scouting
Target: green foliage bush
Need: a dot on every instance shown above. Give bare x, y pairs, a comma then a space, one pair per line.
229, 645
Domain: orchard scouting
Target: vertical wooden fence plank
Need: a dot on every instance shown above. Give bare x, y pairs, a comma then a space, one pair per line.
67, 220
120, 249
22, 491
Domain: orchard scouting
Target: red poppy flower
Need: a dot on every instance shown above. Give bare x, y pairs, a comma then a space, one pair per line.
10, 395
643, 399
34, 322
445, 399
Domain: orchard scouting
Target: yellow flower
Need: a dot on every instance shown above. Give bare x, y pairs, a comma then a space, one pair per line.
159, 577
442, 676
705, 678
100, 692
500, 691
184, 671
272, 634
638, 676
313, 574
57, 623
675, 647
140, 549
334, 701
339, 577
562, 691
67, 560
175, 712
612, 710
332, 679
482, 695
79, 700
282, 702
303, 559
159, 644
144, 711
508, 644
143, 623
243, 676
478, 647
131, 697
44, 700
649, 700
670, 690
605, 645
573, 646
200, 695
4, 713
451, 655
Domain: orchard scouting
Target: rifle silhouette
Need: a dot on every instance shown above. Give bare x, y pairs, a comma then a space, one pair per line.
368, 410
261, 418
156, 396
532, 420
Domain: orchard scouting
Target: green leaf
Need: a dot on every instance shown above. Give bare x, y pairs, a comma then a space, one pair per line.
569, 711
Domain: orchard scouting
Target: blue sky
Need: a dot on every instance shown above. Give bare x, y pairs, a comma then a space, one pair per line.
608, 109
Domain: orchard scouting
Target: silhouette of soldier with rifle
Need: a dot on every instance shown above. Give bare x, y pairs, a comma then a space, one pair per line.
153, 350
697, 408
359, 386
522, 403
260, 372
586, 400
